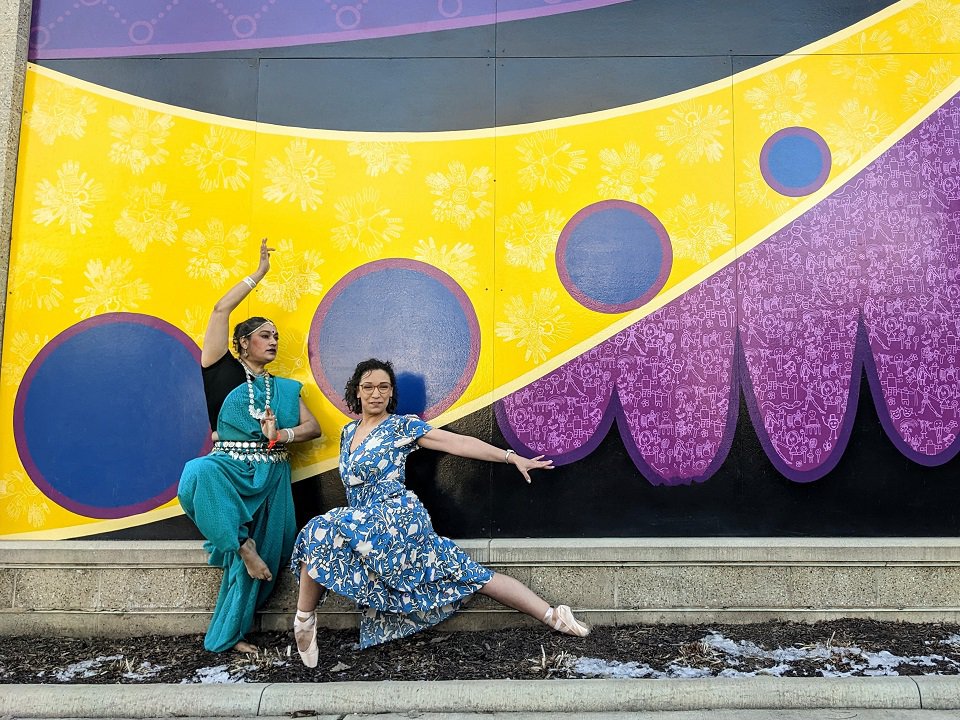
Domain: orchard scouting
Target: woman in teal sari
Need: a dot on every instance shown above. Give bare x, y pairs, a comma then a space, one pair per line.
239, 495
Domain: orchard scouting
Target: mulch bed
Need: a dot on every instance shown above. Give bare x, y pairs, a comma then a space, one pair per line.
524, 653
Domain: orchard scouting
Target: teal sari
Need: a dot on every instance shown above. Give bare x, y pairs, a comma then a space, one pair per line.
243, 491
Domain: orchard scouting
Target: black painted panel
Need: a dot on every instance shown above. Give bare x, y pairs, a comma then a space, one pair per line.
373, 94
530, 89
215, 85
873, 491
683, 27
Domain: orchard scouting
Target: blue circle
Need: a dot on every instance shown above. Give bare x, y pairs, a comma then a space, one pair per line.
408, 313
614, 256
795, 161
108, 414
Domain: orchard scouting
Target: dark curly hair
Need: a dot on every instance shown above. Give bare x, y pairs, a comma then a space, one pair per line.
353, 384
245, 329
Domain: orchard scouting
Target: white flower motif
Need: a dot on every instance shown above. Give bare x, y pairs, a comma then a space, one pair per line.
139, 139
293, 275
20, 497
535, 325
926, 86
698, 230
863, 59
630, 174
221, 160
929, 22
530, 237
753, 190
19, 354
35, 276
68, 201
195, 322
550, 161
365, 224
695, 131
148, 218
859, 129
300, 176
60, 111
781, 101
382, 157
110, 290
216, 252
461, 196
454, 261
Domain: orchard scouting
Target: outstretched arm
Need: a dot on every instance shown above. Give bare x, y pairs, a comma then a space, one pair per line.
470, 447
216, 340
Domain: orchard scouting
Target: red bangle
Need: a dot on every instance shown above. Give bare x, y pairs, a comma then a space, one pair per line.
273, 442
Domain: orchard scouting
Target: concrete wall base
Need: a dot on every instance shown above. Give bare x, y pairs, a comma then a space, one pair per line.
117, 588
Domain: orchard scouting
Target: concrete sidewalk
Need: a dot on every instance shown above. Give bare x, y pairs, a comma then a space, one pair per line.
526, 696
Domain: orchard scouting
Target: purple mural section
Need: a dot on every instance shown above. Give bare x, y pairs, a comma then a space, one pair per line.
869, 278
115, 28
672, 374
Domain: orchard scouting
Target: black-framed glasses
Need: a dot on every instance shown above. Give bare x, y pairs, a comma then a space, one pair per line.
368, 388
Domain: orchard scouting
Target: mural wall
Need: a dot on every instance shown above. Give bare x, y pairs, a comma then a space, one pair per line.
708, 262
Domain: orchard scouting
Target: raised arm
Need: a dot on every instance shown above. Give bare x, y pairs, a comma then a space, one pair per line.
470, 447
216, 340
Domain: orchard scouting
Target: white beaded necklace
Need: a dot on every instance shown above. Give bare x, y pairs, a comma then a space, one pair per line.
255, 412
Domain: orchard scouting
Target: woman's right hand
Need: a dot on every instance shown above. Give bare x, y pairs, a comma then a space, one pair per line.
264, 267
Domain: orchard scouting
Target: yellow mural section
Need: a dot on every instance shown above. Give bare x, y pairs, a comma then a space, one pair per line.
124, 204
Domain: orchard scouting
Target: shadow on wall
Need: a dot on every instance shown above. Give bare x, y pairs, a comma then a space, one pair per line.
411, 394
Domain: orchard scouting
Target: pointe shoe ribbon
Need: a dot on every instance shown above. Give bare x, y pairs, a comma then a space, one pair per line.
310, 656
562, 620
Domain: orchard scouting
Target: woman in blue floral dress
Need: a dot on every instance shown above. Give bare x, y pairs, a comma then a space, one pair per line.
381, 550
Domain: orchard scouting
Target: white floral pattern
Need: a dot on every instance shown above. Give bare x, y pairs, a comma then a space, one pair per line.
381, 550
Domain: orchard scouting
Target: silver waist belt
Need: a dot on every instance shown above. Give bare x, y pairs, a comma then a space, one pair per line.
251, 450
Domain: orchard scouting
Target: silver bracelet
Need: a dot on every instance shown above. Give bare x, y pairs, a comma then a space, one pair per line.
250, 282
289, 432
507, 454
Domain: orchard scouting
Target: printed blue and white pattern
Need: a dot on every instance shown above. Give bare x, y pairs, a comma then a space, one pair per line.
381, 550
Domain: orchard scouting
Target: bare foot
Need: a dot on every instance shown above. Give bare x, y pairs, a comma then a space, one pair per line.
245, 647
256, 567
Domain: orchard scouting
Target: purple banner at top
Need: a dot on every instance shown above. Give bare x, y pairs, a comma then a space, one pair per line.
117, 28
867, 279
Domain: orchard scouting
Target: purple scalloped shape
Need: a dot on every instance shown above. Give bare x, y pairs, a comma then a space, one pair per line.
869, 278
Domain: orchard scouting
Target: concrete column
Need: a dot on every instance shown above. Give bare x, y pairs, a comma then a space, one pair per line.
14, 39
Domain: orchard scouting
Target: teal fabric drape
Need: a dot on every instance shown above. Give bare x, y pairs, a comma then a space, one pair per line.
232, 499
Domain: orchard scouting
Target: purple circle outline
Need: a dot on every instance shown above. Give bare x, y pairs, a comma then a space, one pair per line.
138, 24
808, 134
313, 341
666, 263
356, 15
20, 435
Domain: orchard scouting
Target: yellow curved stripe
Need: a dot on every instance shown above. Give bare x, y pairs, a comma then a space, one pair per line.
126, 204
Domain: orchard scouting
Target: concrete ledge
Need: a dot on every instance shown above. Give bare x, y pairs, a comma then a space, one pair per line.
582, 696
115, 588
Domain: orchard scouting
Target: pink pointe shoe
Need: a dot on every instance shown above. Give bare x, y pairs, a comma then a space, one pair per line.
562, 620
301, 626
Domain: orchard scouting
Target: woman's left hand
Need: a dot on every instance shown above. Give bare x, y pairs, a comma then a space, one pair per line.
268, 426
525, 465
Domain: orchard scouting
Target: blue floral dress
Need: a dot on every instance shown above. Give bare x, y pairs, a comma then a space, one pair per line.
381, 550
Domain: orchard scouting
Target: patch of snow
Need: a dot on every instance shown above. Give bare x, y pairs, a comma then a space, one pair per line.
219, 674
727, 655
146, 670
595, 667
85, 668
